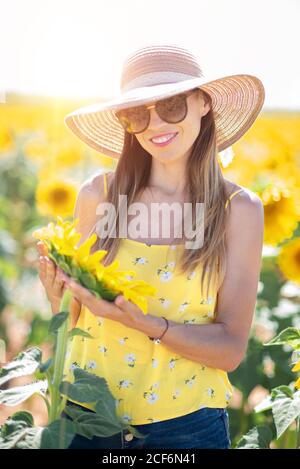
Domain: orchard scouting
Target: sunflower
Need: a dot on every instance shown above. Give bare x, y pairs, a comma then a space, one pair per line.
271, 147
67, 155
6, 140
289, 260
281, 213
108, 282
56, 197
297, 368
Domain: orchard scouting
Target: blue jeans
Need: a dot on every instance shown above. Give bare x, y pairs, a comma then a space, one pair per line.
207, 428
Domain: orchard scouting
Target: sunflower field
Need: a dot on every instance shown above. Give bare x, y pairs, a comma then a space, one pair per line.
42, 166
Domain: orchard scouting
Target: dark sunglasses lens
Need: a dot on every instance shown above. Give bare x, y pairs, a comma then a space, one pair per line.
134, 120
172, 109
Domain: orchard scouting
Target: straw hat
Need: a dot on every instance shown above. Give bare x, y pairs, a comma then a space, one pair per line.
155, 72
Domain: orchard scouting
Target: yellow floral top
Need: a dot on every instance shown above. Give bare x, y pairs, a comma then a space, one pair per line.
150, 382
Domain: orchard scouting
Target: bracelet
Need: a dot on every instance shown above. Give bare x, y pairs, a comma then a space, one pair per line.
167, 326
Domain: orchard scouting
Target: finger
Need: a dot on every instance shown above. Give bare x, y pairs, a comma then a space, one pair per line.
42, 248
120, 301
50, 271
58, 284
42, 267
81, 293
125, 305
96, 305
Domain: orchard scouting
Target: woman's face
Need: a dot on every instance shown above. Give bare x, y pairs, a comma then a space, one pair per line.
187, 131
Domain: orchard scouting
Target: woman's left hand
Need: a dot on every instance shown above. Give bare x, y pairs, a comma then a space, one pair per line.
119, 310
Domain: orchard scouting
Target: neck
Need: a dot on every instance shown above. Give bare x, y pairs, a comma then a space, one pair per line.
168, 178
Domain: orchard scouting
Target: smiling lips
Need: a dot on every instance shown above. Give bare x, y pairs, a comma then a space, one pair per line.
163, 139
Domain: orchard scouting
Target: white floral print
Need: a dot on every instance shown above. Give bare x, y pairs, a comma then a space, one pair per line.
126, 418
140, 260
92, 364
130, 359
154, 362
165, 302
190, 382
165, 276
176, 394
102, 349
183, 306
124, 383
122, 340
191, 275
172, 363
151, 397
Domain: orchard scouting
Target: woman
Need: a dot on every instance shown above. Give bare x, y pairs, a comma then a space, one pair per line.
168, 369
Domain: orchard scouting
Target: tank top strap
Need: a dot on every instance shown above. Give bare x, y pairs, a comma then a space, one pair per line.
105, 183
232, 195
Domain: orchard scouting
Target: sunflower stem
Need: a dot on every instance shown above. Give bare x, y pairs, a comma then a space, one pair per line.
59, 359
297, 432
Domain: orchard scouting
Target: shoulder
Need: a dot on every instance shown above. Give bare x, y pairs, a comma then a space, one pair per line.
245, 199
91, 193
246, 216
93, 189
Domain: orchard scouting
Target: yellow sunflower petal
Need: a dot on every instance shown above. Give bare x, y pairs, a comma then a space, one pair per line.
296, 366
140, 301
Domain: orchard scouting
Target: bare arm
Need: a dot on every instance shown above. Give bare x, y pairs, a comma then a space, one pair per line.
223, 343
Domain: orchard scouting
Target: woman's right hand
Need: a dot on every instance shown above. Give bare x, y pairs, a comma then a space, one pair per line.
55, 287
50, 276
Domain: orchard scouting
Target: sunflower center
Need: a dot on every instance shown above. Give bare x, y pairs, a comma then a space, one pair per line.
59, 195
297, 257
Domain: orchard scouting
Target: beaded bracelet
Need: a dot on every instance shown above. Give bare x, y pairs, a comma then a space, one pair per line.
167, 326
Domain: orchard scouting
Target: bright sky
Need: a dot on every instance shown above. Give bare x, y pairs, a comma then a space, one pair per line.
75, 48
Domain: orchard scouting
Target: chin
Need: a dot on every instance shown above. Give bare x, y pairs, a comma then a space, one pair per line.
166, 157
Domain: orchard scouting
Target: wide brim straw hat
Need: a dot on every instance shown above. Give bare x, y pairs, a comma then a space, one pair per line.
156, 72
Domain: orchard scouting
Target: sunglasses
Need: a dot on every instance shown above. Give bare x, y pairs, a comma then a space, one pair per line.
172, 110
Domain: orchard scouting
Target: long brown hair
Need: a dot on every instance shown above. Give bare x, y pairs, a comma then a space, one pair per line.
204, 183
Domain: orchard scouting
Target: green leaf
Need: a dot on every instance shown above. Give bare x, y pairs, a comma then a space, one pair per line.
281, 389
25, 438
58, 435
285, 409
81, 332
53, 255
104, 292
89, 424
56, 321
266, 404
18, 394
24, 364
75, 270
16, 422
289, 336
106, 407
87, 280
64, 266
87, 387
257, 438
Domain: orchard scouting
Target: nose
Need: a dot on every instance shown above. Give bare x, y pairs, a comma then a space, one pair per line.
155, 122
